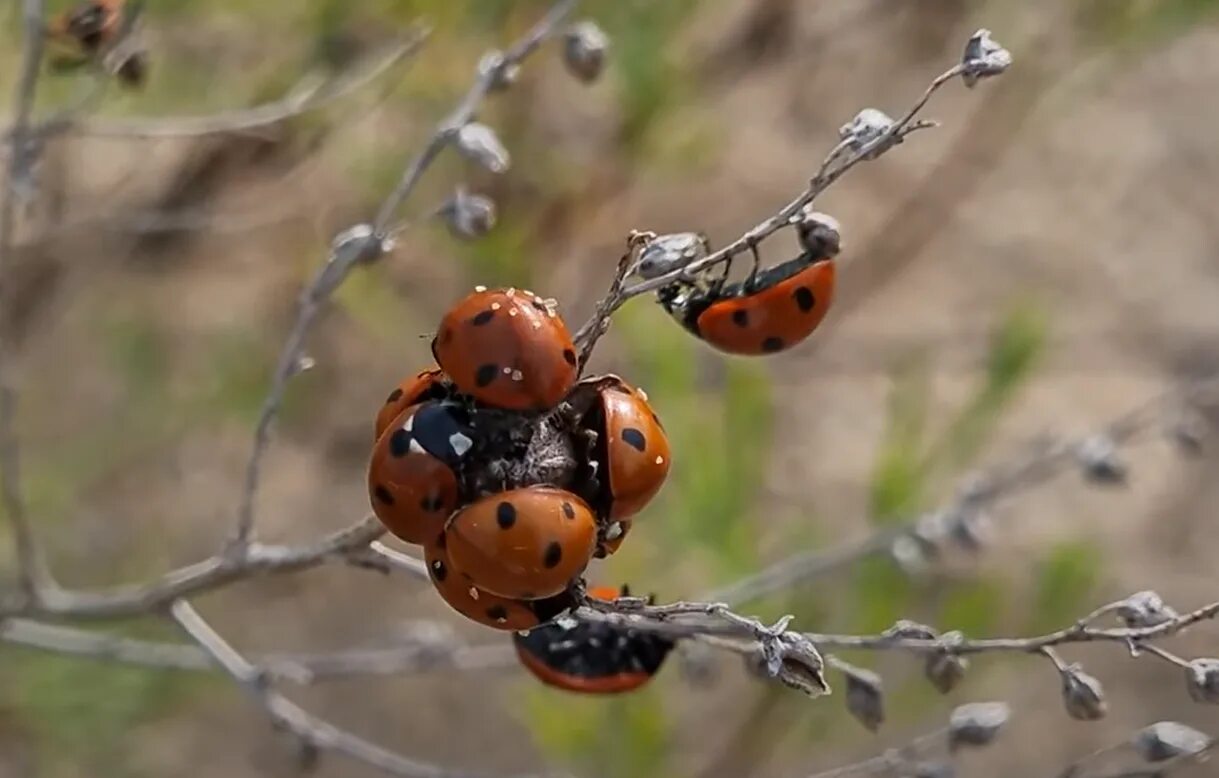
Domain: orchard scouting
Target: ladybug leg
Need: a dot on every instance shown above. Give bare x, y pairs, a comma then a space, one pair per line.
752, 280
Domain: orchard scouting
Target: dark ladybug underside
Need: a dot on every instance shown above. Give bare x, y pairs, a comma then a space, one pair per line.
594, 649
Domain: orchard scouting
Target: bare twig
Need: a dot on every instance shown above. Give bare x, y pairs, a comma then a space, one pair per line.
309, 95
363, 244
32, 574
978, 490
312, 731
836, 164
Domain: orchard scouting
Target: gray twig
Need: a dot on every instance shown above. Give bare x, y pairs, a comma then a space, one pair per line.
363, 244
312, 731
32, 573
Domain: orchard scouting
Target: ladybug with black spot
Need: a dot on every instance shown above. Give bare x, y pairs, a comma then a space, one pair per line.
630, 452
88, 26
524, 544
770, 311
427, 384
413, 472
481, 606
508, 349
592, 657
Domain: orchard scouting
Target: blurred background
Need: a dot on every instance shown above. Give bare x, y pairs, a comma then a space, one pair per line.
1040, 264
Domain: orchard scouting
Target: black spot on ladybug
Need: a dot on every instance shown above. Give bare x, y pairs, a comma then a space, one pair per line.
394, 396
505, 515
771, 345
438, 570
482, 318
569, 511
485, 375
432, 503
399, 443
634, 438
497, 613
569, 356
383, 494
553, 555
804, 298
740, 318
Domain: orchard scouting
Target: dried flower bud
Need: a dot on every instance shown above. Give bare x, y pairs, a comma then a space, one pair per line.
972, 529
667, 253
1144, 609
584, 50
480, 144
868, 126
1083, 695
983, 58
1100, 460
358, 244
909, 630
506, 74
976, 724
1167, 739
865, 695
793, 660
929, 770
468, 216
945, 669
911, 554
1202, 680
933, 529
820, 234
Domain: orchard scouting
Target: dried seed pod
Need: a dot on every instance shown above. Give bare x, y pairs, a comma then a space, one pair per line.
976, 724
506, 74
819, 233
468, 216
983, 58
667, 253
801, 666
1082, 695
480, 144
1144, 609
584, 50
1167, 739
869, 125
945, 669
911, 554
865, 695
1101, 461
1202, 680
904, 629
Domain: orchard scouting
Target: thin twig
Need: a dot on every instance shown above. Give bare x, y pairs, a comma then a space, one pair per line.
830, 171
364, 248
313, 732
32, 573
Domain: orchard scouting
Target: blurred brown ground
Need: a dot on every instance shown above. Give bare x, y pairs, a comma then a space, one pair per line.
1084, 178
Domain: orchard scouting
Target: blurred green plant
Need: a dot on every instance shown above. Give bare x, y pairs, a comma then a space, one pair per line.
1141, 22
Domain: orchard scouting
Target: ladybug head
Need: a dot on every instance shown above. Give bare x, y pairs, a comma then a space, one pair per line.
444, 430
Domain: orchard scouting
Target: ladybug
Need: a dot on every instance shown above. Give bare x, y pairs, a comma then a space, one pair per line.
508, 349
771, 310
425, 385
483, 607
412, 479
630, 451
525, 544
89, 26
592, 657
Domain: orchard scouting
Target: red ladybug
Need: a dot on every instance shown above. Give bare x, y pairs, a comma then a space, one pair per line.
426, 385
524, 544
771, 310
483, 607
507, 348
631, 451
591, 657
412, 483
88, 26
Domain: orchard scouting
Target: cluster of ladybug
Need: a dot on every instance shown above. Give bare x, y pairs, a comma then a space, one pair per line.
510, 472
